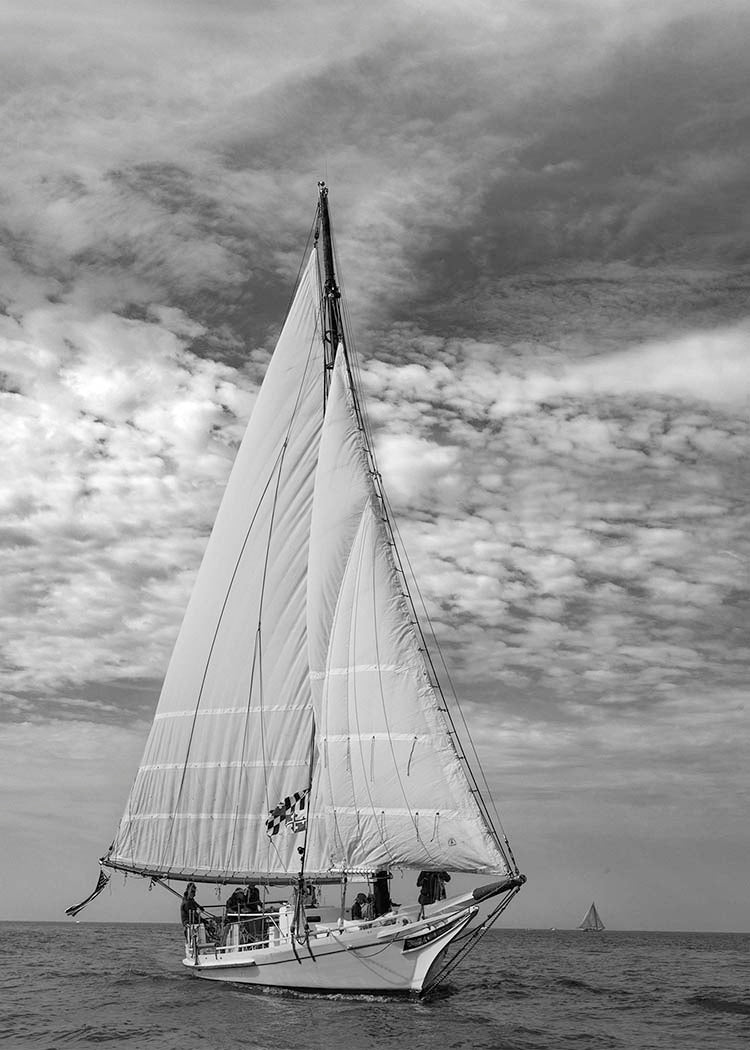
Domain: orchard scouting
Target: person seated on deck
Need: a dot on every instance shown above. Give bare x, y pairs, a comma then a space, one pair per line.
432, 888
190, 909
381, 895
358, 907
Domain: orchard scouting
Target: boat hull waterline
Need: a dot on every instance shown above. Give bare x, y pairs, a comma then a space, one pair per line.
394, 957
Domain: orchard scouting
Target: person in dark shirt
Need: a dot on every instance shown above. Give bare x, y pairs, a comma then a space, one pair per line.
253, 931
380, 893
252, 898
241, 903
236, 904
431, 888
190, 909
358, 907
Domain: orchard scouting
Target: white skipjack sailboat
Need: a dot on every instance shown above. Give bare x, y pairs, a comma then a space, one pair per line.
301, 739
591, 921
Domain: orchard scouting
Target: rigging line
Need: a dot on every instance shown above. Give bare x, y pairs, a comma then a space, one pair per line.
358, 953
494, 822
264, 578
309, 793
353, 366
469, 768
469, 939
374, 506
411, 754
304, 259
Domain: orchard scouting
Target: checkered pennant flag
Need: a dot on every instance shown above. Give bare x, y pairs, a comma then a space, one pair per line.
290, 811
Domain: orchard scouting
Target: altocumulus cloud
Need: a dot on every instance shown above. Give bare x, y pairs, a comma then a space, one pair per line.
118, 442
543, 228
593, 518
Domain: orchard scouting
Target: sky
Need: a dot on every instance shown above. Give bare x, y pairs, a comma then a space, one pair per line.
542, 224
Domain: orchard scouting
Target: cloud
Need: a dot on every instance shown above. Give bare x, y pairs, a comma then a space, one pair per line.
178, 173
710, 366
118, 443
582, 546
539, 215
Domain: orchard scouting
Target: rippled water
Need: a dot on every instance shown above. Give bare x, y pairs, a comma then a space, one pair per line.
80, 985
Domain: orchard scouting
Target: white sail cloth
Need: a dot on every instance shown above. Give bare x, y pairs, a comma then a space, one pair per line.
297, 625
232, 732
389, 787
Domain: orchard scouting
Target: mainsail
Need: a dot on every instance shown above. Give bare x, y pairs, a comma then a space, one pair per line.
591, 920
233, 728
298, 671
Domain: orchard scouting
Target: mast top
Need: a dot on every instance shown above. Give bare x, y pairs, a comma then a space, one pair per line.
330, 285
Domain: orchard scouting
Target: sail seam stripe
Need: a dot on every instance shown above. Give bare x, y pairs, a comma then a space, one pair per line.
390, 812
357, 669
343, 737
218, 765
230, 711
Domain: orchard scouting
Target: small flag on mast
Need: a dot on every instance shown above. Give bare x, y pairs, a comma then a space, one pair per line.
290, 811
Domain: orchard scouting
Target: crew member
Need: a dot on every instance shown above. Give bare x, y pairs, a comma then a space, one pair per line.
236, 904
190, 909
381, 896
432, 888
359, 905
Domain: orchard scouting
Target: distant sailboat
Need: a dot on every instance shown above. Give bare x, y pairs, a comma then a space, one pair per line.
591, 922
301, 738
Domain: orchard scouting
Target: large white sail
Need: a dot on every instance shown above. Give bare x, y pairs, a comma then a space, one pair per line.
389, 787
232, 731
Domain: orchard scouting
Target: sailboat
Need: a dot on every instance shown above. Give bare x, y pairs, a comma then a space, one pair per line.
591, 921
301, 744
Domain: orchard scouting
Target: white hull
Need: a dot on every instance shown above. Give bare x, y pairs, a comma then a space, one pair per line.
389, 956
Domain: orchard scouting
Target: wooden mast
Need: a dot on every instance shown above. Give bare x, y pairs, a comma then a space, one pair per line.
333, 329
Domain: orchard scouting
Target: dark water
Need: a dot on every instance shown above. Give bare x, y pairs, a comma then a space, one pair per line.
85, 985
